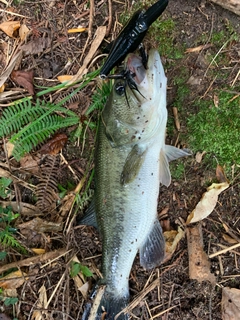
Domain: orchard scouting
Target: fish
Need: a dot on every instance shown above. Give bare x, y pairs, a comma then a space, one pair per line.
131, 162
131, 36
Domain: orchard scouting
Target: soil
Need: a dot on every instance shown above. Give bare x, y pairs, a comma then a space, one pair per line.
176, 296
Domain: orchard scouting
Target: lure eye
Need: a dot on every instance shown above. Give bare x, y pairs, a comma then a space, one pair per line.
120, 88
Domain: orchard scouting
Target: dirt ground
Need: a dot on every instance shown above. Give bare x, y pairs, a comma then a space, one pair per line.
168, 293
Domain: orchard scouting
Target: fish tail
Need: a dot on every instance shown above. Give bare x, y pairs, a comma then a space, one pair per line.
106, 306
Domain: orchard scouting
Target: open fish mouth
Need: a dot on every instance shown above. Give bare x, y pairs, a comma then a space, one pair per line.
136, 68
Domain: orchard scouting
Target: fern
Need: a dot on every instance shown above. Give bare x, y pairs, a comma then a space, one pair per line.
8, 240
99, 98
33, 123
38, 132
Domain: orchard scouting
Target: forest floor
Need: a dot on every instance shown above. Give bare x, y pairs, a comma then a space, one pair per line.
199, 45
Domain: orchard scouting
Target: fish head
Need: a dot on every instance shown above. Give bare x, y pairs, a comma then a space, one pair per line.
137, 105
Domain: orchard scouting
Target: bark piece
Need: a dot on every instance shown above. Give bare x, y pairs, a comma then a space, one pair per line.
232, 5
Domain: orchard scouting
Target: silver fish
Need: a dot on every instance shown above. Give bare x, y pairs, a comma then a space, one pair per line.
131, 162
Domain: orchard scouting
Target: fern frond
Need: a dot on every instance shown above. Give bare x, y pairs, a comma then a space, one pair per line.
16, 116
37, 132
8, 240
100, 97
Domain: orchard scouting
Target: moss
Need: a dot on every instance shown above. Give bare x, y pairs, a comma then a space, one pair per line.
177, 169
216, 130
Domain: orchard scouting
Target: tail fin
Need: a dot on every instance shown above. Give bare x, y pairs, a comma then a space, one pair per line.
106, 306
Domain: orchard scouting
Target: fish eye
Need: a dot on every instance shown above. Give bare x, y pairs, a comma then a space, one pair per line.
120, 88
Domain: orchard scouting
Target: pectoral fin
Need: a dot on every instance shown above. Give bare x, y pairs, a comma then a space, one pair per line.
89, 218
133, 164
174, 153
164, 172
153, 250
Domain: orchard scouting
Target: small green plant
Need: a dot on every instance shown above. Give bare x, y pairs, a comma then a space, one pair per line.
77, 267
4, 184
7, 238
216, 130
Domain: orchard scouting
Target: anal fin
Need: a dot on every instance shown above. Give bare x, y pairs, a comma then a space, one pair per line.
89, 217
153, 250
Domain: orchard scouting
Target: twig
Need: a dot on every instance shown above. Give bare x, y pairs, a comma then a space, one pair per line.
33, 260
91, 15
224, 250
109, 17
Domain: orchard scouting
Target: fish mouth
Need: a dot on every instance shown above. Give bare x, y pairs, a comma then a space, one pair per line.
136, 68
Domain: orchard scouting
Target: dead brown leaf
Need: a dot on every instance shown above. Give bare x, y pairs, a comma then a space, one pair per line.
23, 32
199, 156
199, 265
64, 78
13, 62
220, 174
229, 239
42, 304
36, 46
55, 145
30, 164
24, 79
172, 239
230, 303
207, 202
9, 27
13, 280
40, 225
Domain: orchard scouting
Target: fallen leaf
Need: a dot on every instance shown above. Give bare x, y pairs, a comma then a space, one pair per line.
42, 304
172, 238
36, 46
229, 239
9, 146
2, 88
55, 145
30, 164
199, 265
64, 78
220, 174
207, 203
24, 79
9, 27
40, 225
195, 80
199, 156
13, 280
38, 250
230, 303
14, 60
23, 32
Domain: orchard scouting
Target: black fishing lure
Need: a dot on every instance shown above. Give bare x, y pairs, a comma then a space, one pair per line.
132, 35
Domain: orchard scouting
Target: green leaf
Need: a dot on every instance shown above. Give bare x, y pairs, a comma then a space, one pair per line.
10, 301
77, 267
